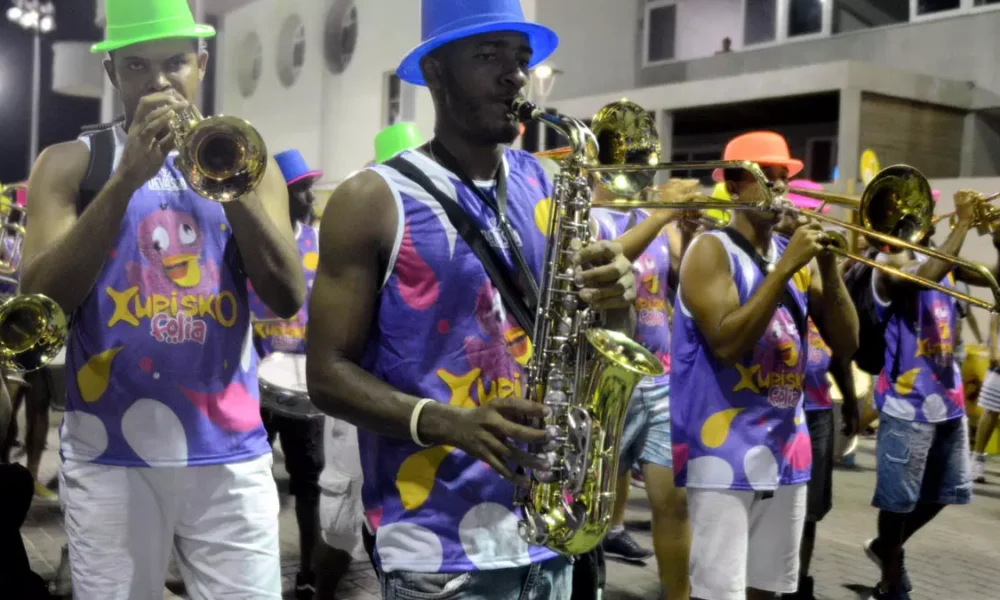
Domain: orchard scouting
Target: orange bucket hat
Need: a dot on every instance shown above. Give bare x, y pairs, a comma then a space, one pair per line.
765, 148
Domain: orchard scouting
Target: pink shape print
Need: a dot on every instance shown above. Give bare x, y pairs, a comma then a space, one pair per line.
680, 452
443, 327
882, 385
146, 364
957, 395
798, 452
233, 409
374, 517
417, 284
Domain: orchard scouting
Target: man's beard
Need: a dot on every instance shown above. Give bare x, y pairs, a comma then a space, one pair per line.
476, 127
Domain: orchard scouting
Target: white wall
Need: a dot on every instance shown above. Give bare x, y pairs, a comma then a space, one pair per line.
331, 119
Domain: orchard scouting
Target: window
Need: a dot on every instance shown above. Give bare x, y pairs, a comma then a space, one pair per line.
821, 158
985, 2
393, 100
929, 7
805, 17
660, 31
854, 15
759, 21
700, 155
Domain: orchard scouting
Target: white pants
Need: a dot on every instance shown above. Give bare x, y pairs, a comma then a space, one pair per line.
740, 540
341, 513
220, 520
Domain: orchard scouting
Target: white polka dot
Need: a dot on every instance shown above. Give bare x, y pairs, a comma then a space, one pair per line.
154, 432
247, 355
935, 409
156, 375
761, 468
401, 544
899, 408
83, 435
488, 533
710, 471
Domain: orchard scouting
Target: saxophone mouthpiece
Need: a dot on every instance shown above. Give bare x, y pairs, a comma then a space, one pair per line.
523, 110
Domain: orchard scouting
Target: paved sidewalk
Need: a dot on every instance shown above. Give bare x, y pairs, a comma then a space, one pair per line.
957, 557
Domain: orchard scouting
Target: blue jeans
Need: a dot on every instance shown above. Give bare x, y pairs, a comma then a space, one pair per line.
921, 462
549, 580
646, 435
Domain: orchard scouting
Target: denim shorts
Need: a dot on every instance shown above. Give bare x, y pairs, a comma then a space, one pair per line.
646, 435
549, 580
921, 463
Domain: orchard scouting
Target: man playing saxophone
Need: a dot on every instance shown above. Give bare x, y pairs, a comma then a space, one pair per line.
409, 338
162, 442
740, 442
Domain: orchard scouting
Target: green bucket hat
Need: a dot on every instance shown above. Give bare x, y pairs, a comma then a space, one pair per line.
129, 22
394, 139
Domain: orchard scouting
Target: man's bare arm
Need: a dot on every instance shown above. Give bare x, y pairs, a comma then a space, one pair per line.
832, 308
357, 233
64, 253
933, 269
709, 293
263, 231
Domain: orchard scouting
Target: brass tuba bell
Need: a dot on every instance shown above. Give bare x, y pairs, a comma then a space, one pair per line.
222, 158
32, 332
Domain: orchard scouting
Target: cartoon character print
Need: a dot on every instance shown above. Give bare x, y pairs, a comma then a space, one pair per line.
503, 339
779, 359
935, 340
649, 292
819, 352
171, 244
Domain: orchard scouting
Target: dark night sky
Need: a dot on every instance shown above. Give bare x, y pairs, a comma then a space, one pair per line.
61, 116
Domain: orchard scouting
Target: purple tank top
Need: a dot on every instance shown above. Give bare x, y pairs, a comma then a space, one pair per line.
441, 331
652, 330
160, 366
273, 334
817, 386
11, 252
928, 384
741, 427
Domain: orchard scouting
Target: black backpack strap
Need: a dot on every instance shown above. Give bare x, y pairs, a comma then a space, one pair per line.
100, 166
500, 275
787, 299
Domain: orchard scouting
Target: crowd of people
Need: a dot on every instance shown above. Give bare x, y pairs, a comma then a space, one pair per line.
407, 356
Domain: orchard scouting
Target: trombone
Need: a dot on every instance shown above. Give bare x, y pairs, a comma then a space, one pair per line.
985, 221
895, 209
222, 158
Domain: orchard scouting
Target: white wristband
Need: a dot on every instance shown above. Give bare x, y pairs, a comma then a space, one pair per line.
415, 419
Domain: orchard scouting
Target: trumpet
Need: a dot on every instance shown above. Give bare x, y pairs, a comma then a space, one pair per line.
895, 208
33, 330
985, 221
12, 222
222, 158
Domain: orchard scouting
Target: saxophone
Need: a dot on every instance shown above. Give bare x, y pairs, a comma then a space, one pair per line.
584, 374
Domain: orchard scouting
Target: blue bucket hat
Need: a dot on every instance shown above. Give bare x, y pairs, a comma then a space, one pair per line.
445, 21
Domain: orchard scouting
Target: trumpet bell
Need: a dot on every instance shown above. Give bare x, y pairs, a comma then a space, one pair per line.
222, 158
32, 332
898, 202
626, 135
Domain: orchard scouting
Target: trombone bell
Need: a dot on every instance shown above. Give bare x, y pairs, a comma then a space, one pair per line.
222, 158
32, 332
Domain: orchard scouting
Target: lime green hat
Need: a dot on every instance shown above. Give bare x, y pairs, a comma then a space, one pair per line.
394, 139
129, 22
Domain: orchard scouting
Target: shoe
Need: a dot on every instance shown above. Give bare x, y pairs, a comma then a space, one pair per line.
623, 545
45, 493
61, 585
978, 467
878, 594
305, 586
874, 553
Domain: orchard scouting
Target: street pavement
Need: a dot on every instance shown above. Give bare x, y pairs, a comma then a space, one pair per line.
956, 557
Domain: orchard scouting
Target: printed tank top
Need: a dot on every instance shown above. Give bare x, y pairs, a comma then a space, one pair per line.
441, 331
160, 368
272, 333
741, 427
652, 274
928, 383
817, 384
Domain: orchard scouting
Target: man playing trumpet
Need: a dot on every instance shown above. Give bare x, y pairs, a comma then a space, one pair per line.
740, 441
162, 442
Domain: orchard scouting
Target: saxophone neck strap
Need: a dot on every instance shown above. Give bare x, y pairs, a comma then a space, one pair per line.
520, 300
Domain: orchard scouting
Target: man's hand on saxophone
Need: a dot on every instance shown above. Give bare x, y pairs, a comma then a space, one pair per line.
605, 276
